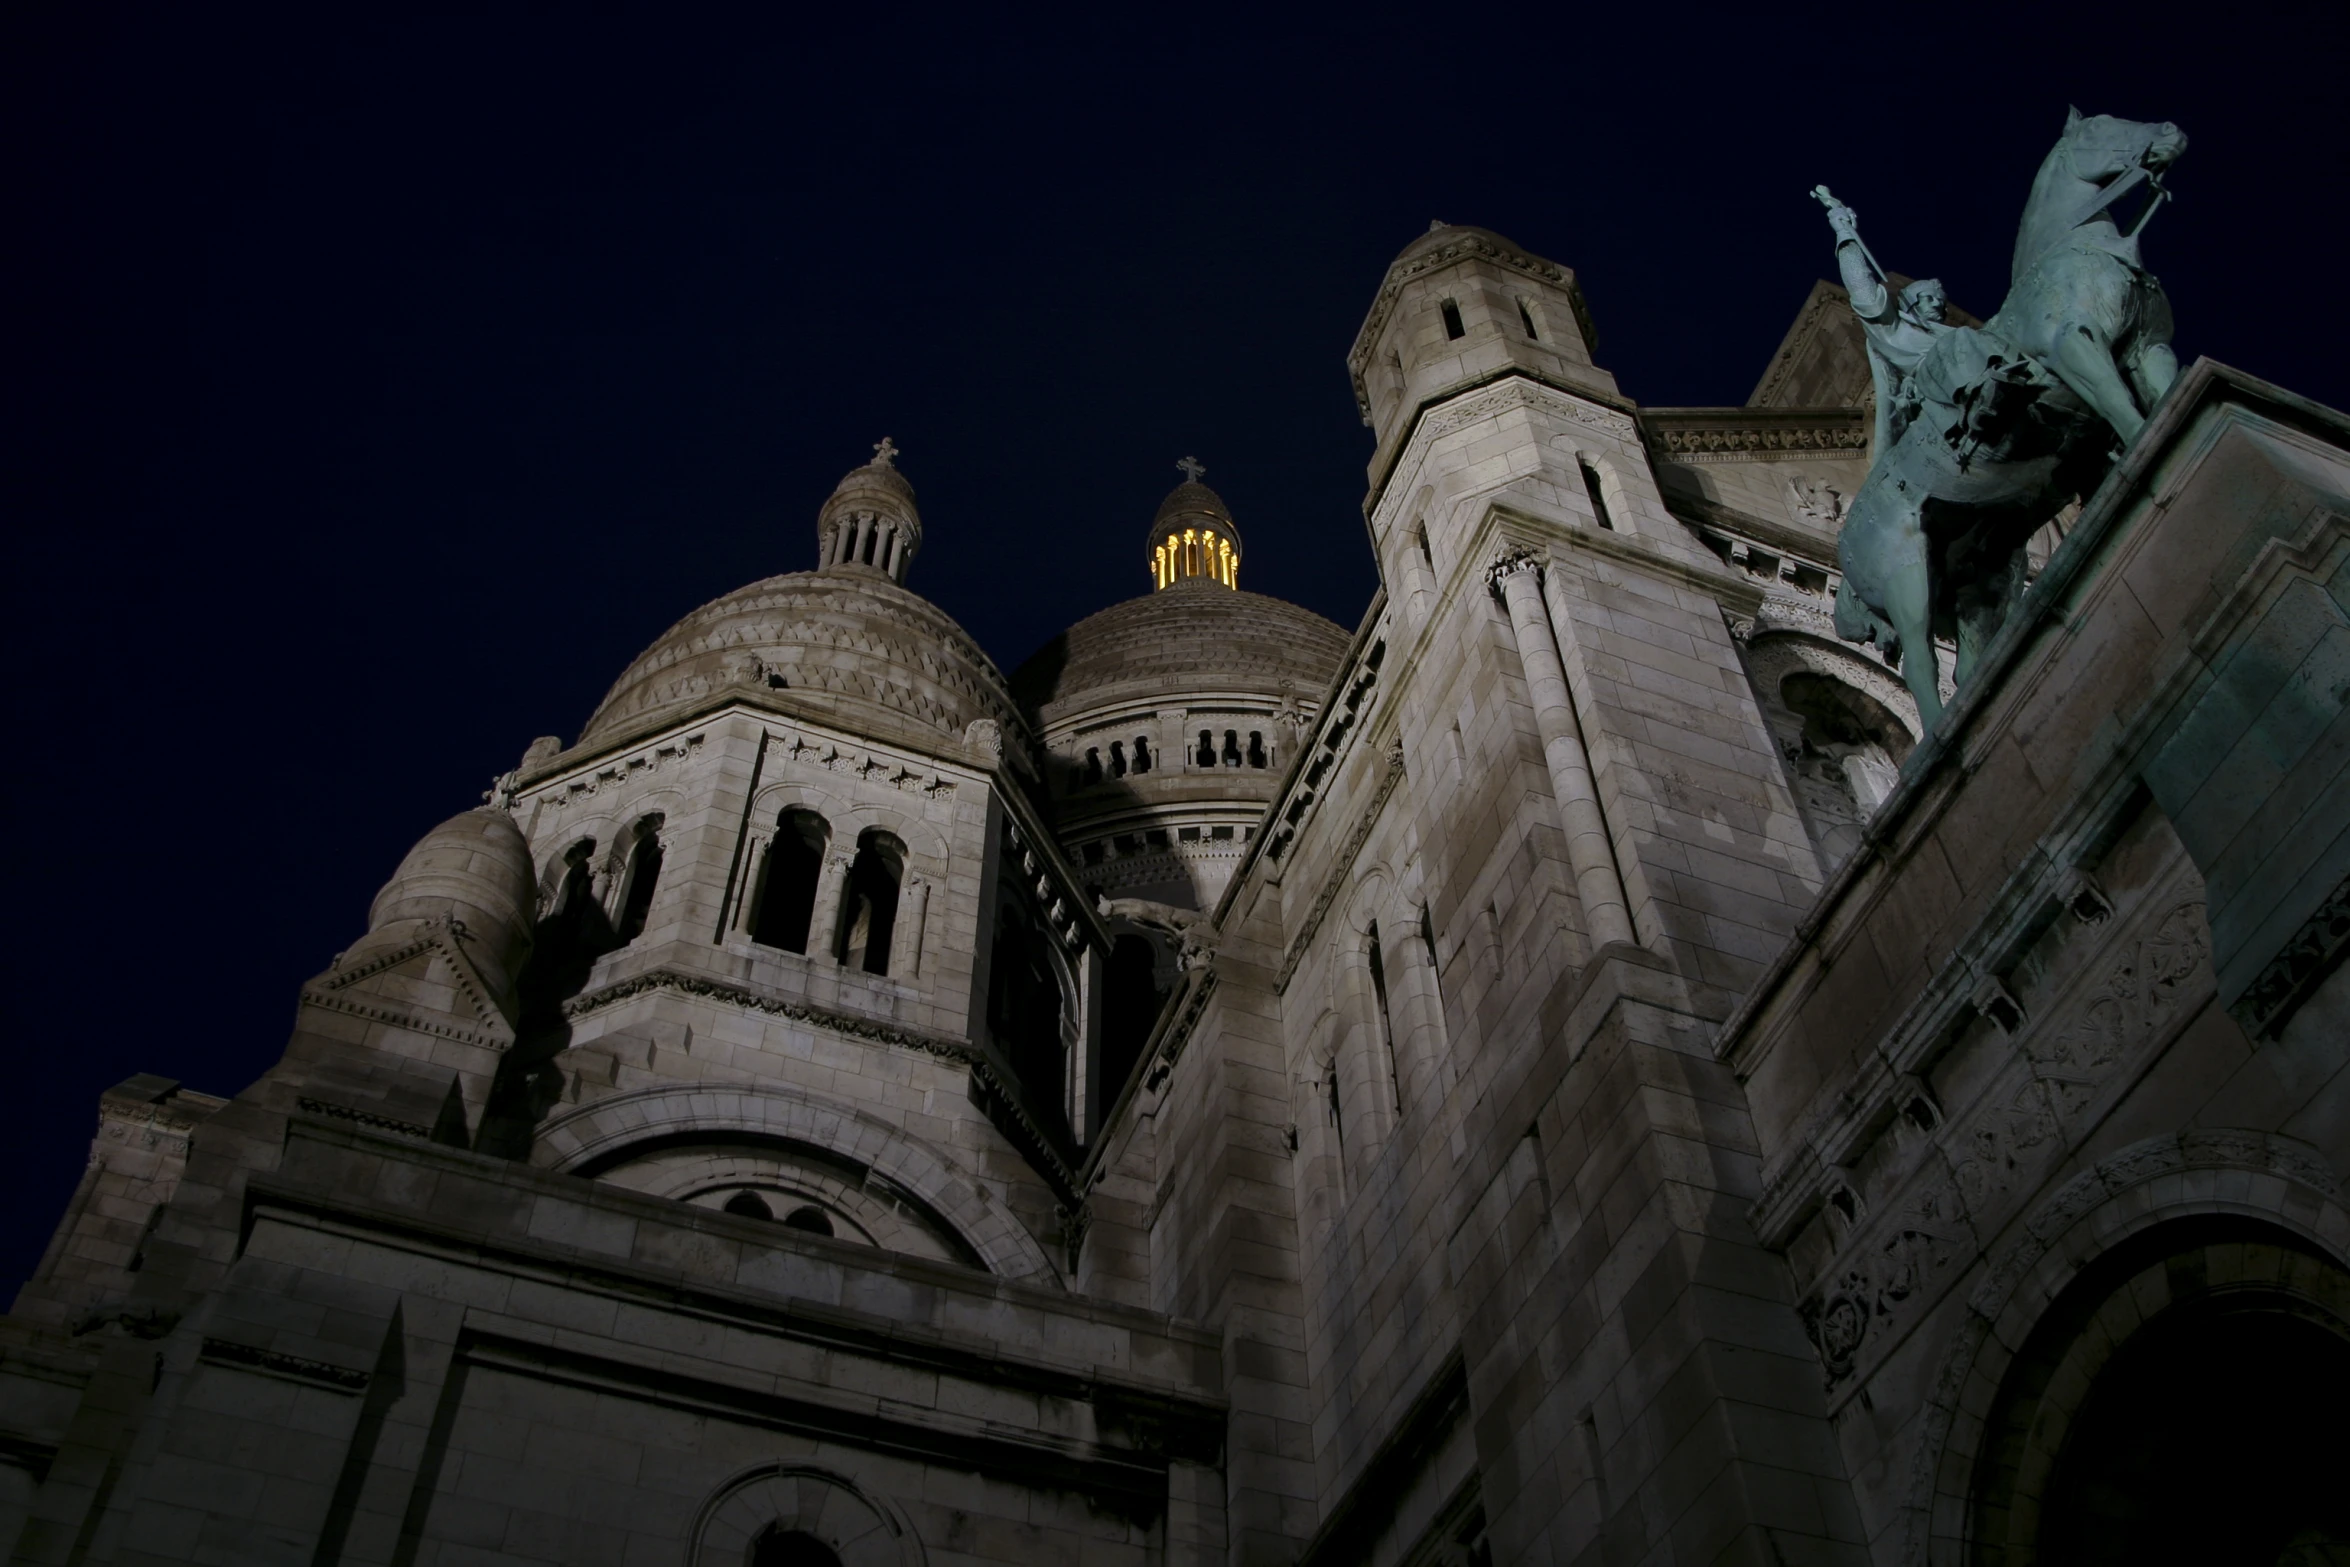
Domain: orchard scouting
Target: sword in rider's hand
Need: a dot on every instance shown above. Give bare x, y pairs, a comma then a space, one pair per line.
1829, 201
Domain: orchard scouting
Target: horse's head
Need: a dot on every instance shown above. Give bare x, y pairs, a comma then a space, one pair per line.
2097, 147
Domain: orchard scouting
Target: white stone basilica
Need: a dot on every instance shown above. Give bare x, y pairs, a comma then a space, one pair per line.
1566, 1071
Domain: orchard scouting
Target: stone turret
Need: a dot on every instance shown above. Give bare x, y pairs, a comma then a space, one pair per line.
473, 869
1458, 308
870, 523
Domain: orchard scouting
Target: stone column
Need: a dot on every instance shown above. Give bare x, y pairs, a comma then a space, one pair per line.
746, 904
823, 919
1592, 857
905, 941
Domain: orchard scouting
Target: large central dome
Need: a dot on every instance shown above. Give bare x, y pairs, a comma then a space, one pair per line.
1192, 640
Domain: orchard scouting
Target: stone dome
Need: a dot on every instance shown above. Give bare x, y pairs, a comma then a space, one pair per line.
851, 643
474, 868
1194, 638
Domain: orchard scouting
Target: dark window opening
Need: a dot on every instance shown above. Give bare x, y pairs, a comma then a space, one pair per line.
1207, 748
1420, 537
1024, 1006
1378, 966
1220, 834
1598, 501
814, 1220
1330, 1099
1142, 754
869, 902
781, 1547
1130, 1006
1157, 838
1527, 316
749, 1205
1117, 760
1127, 843
1452, 321
1187, 834
795, 860
1231, 748
643, 875
1256, 748
1093, 766
872, 544
1094, 854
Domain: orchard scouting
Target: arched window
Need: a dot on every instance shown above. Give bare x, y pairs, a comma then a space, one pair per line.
1117, 759
1231, 748
810, 1218
1142, 754
1452, 321
795, 860
749, 1205
781, 1547
641, 877
1207, 748
1256, 748
1093, 765
869, 903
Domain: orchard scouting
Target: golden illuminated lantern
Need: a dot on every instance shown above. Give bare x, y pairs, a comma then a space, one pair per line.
1192, 537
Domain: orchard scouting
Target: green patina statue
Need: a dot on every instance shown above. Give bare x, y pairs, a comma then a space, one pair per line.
1984, 433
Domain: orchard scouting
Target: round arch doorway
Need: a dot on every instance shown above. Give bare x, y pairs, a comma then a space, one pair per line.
2184, 1401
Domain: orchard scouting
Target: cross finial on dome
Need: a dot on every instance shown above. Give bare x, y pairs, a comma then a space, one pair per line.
885, 453
1192, 468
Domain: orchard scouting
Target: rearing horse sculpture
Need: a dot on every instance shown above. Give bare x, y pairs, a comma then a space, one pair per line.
1999, 426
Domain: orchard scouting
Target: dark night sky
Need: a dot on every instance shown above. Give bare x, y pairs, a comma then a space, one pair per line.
376, 390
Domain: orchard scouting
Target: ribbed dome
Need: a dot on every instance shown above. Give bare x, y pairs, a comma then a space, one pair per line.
847, 642
1191, 639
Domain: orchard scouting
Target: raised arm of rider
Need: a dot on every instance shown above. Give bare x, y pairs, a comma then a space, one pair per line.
1871, 299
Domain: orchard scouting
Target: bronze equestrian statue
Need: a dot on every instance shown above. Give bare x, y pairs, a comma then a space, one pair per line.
1983, 433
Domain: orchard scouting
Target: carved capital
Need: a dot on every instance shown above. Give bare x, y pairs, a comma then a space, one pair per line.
1508, 564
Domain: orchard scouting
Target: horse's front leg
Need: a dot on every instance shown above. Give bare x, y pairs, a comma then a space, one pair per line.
2153, 367
1909, 590
2085, 361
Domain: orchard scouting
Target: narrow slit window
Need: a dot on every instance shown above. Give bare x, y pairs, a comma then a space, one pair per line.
1452, 321
1527, 318
1598, 501
1378, 968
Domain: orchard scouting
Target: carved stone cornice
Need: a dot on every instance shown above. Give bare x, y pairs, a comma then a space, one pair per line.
1755, 434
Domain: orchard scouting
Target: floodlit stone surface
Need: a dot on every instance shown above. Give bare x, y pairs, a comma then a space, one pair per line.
1571, 1072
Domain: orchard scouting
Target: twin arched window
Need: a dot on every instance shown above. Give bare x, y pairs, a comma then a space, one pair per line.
791, 886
